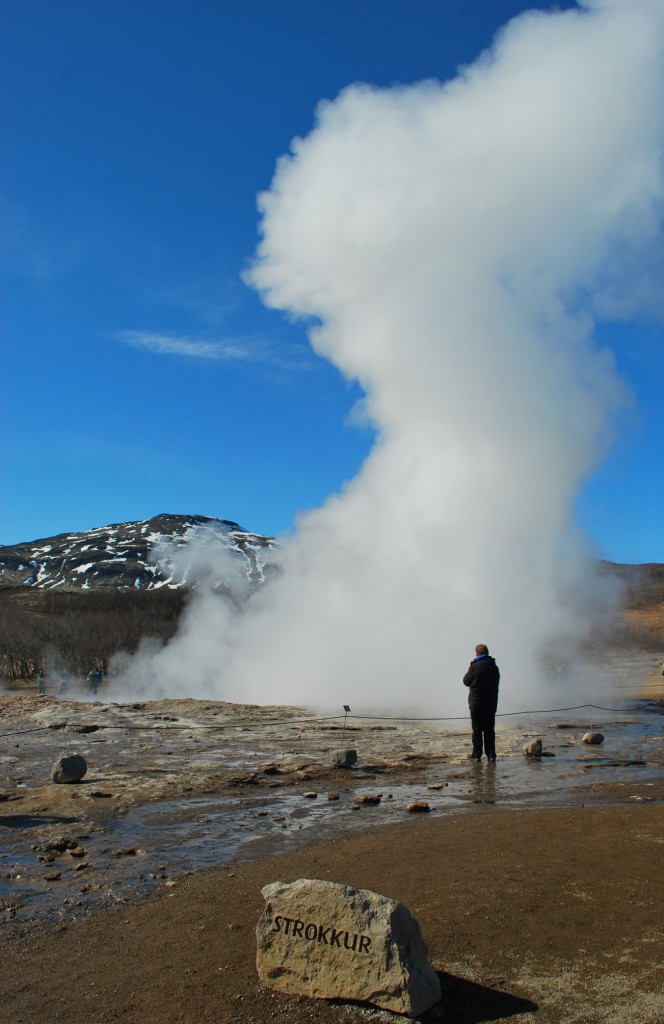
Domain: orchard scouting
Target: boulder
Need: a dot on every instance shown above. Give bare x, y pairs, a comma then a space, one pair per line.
331, 941
533, 748
343, 758
592, 737
418, 806
70, 768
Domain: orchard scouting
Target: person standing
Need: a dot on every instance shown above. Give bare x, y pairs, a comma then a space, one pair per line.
482, 679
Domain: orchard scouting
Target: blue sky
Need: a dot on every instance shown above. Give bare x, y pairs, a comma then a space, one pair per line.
140, 374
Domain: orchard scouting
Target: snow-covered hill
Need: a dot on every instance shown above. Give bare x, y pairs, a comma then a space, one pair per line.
166, 551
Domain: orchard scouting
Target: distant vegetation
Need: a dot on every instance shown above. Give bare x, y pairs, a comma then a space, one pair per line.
75, 632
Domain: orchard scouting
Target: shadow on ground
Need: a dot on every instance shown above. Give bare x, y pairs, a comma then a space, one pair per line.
466, 1002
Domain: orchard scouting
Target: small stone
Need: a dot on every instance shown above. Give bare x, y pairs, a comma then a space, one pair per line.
592, 737
343, 758
77, 852
70, 768
81, 867
263, 814
332, 796
52, 876
59, 844
368, 798
533, 748
417, 806
332, 941
310, 796
436, 785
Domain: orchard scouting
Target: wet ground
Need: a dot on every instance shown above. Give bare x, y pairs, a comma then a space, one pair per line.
175, 786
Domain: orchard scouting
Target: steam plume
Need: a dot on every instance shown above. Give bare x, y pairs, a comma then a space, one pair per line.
450, 244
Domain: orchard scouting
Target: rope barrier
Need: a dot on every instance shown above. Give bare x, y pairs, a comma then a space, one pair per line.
331, 718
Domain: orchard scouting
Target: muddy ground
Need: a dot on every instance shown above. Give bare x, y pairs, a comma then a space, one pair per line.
132, 895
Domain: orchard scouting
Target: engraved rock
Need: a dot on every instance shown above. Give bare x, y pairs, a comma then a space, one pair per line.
343, 758
533, 748
69, 768
592, 737
332, 941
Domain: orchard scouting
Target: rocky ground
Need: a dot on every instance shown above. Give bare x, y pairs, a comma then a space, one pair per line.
537, 916
132, 895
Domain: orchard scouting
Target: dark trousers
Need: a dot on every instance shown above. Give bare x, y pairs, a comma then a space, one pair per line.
483, 729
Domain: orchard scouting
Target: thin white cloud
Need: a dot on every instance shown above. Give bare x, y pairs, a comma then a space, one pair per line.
246, 350
183, 345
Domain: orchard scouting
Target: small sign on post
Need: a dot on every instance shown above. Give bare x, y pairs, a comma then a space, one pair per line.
346, 713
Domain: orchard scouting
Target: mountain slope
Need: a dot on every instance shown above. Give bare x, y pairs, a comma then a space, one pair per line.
171, 551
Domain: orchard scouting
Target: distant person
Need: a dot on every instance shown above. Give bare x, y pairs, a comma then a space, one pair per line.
98, 678
41, 684
482, 679
91, 683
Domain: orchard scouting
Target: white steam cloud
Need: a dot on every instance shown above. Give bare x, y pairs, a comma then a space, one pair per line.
451, 243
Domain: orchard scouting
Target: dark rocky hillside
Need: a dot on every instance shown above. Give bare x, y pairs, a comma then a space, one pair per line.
145, 555
68, 603
643, 596
644, 584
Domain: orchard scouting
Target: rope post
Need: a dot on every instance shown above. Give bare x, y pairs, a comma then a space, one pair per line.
590, 716
343, 731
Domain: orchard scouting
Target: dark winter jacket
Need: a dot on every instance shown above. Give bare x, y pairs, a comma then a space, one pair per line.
482, 679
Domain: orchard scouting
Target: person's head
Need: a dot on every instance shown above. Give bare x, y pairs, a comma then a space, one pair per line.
481, 649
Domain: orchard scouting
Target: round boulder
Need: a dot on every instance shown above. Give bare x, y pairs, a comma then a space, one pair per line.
592, 737
343, 758
70, 768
